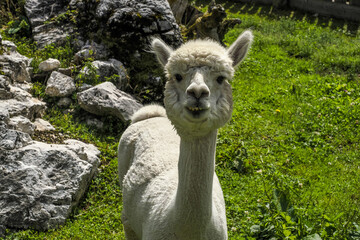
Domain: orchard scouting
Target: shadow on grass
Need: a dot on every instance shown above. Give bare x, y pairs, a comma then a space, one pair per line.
275, 13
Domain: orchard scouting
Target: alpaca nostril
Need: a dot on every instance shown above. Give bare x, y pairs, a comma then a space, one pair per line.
198, 92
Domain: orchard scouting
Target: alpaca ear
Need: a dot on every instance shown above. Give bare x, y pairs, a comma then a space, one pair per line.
238, 50
162, 50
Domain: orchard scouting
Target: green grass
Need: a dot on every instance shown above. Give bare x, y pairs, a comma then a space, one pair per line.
288, 161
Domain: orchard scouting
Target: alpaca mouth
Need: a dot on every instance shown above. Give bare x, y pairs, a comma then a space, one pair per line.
196, 112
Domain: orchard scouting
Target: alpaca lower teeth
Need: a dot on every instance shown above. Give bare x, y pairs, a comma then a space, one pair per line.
195, 109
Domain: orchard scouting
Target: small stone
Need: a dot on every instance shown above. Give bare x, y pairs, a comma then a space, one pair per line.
64, 102
59, 85
42, 125
50, 64
94, 122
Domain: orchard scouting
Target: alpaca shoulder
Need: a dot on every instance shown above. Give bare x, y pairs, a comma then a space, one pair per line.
152, 146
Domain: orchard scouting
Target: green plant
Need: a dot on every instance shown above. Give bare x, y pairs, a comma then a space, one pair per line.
88, 74
19, 27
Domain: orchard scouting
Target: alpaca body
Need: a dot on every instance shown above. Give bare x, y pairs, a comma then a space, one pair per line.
167, 156
150, 186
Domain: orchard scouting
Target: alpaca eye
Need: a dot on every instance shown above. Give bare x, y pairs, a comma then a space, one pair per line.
220, 79
178, 77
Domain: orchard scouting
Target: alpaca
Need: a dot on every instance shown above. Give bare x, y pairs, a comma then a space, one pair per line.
167, 156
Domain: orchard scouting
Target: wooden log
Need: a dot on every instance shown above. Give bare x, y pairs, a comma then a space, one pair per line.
338, 10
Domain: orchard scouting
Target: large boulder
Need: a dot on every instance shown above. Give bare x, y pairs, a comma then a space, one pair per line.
106, 99
45, 31
127, 27
40, 183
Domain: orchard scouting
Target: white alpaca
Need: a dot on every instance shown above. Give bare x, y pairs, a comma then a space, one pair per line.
167, 159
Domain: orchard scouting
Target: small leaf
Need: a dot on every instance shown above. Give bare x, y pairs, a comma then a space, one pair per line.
314, 236
287, 233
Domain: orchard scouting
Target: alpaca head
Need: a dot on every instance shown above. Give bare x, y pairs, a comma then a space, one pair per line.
198, 96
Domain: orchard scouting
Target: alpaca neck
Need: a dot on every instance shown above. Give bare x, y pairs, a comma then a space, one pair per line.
196, 167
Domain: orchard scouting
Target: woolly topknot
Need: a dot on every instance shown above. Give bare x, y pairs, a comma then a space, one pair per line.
197, 53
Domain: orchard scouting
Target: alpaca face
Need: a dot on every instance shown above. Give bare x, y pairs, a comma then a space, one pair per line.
198, 96
198, 100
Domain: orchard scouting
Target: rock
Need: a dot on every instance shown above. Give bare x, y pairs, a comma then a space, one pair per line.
31, 108
84, 87
42, 125
42, 183
132, 24
178, 8
44, 33
15, 67
64, 102
94, 122
59, 85
22, 103
66, 71
5, 88
50, 64
92, 49
12, 139
9, 46
106, 99
52, 34
22, 124
107, 69
4, 116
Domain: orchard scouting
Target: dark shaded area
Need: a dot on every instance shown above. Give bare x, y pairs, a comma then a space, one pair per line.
275, 13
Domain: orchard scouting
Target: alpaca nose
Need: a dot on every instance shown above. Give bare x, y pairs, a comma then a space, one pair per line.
198, 91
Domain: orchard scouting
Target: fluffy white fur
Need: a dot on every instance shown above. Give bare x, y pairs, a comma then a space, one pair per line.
167, 164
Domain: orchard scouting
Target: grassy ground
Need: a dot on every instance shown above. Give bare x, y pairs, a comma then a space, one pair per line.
289, 159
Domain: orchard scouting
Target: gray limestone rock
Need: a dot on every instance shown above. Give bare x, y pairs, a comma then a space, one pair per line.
41, 183
4, 116
94, 122
92, 49
42, 125
50, 64
30, 109
106, 99
22, 124
23, 104
59, 85
40, 11
15, 67
107, 69
64, 102
5, 88
12, 139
